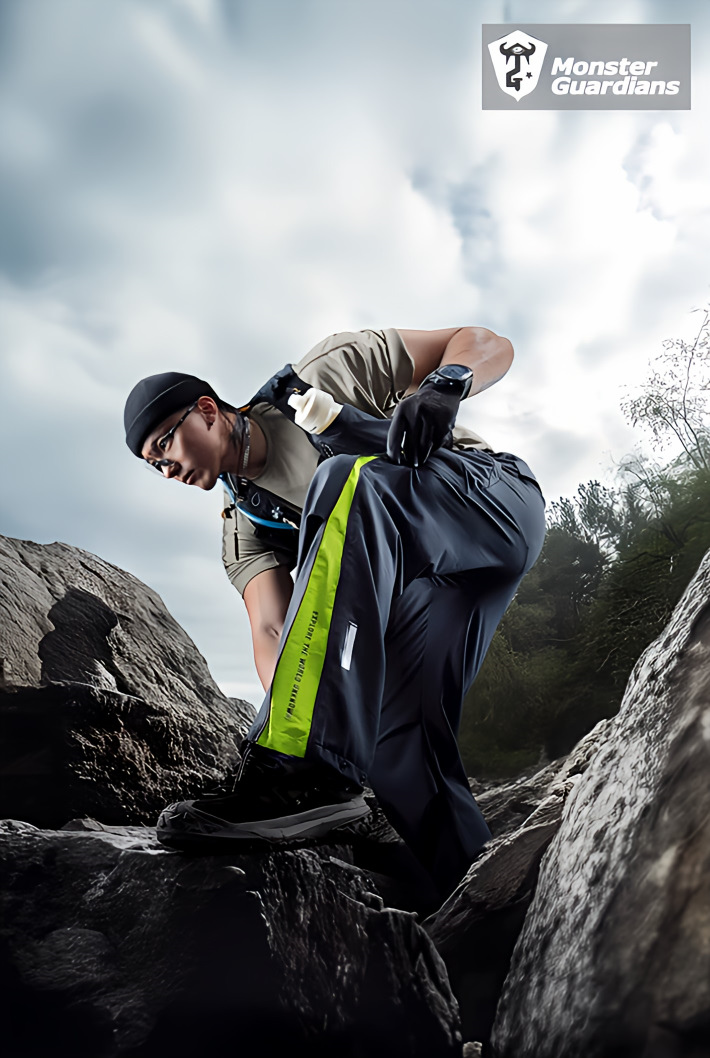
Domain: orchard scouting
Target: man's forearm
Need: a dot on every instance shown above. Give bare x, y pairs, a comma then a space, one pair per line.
487, 354
266, 651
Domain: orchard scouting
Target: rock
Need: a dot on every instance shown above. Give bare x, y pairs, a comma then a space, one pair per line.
582, 928
614, 954
477, 927
507, 803
113, 946
106, 706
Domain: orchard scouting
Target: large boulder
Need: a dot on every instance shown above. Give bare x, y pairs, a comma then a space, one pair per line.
106, 706
113, 946
476, 929
614, 955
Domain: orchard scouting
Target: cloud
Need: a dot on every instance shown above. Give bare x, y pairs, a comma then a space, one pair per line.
214, 186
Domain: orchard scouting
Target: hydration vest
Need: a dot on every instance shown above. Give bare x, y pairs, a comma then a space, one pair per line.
273, 519
353, 432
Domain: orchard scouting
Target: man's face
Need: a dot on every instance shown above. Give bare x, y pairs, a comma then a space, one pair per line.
194, 448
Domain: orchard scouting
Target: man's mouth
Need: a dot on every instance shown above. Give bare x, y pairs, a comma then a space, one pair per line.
186, 479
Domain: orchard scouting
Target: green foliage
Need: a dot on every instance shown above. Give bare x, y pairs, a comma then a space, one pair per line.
615, 562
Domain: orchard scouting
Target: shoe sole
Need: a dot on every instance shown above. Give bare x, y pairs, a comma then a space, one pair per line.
283, 830
216, 846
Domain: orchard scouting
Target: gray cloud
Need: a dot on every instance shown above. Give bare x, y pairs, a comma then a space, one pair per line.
214, 186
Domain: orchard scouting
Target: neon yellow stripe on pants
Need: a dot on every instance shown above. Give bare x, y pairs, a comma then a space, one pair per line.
299, 668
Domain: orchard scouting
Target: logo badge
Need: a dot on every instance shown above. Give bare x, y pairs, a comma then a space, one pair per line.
517, 60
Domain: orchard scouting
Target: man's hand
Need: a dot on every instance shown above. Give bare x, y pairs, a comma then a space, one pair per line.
421, 424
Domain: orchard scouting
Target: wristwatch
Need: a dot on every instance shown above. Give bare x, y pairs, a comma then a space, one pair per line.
456, 378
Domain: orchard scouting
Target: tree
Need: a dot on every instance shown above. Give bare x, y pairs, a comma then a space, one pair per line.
672, 403
595, 515
614, 564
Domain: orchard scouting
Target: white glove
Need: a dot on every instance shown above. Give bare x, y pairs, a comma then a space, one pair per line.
315, 410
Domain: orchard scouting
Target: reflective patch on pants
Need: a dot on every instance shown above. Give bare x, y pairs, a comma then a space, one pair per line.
346, 656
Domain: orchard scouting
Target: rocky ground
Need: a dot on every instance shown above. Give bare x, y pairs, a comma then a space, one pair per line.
582, 929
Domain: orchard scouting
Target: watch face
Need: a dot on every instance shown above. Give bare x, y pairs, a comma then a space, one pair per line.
459, 372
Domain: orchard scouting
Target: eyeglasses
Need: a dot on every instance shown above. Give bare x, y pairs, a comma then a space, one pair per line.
163, 443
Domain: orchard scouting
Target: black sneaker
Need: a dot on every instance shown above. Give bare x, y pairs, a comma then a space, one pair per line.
274, 798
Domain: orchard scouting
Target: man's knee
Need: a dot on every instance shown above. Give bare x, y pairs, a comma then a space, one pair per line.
336, 466
328, 482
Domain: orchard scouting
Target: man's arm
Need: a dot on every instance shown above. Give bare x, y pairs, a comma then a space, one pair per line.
487, 354
266, 597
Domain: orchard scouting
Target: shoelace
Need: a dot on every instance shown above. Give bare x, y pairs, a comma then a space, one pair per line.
250, 767
224, 786
255, 767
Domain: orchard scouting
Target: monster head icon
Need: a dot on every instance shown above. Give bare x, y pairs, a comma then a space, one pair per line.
517, 60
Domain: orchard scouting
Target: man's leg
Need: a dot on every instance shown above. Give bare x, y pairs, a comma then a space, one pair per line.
277, 794
370, 529
331, 664
437, 639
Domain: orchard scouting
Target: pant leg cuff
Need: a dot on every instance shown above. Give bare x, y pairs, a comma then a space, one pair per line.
345, 767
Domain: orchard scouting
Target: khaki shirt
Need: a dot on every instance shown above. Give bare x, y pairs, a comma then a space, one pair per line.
371, 370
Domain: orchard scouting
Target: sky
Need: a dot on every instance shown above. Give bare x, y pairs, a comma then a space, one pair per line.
213, 186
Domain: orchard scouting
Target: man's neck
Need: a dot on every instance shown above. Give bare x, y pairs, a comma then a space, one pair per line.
256, 462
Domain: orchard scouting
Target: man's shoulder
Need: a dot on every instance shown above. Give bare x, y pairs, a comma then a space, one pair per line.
370, 369
367, 341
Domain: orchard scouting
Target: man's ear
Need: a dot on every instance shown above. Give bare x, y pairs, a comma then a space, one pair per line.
208, 410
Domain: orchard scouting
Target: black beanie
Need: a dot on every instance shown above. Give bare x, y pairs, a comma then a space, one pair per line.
155, 398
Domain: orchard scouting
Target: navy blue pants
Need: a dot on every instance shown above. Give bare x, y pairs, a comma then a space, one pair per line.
403, 577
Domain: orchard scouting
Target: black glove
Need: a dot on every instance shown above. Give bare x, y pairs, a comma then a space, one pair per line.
424, 422
421, 424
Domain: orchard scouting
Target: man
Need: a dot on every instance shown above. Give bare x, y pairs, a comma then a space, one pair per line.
414, 535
